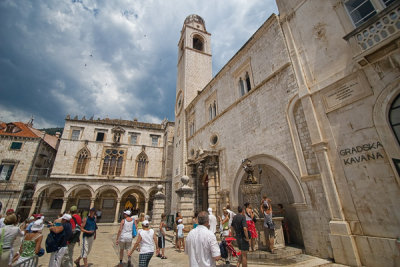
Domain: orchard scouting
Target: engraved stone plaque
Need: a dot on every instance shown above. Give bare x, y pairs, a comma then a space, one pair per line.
345, 91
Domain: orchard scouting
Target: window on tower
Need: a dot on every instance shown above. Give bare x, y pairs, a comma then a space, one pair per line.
198, 43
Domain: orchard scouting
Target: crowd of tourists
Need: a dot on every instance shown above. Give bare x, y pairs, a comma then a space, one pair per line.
64, 234
200, 245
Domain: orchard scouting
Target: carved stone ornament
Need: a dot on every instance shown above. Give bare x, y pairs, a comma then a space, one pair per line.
159, 194
249, 169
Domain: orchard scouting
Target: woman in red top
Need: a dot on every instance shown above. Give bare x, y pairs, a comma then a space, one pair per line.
251, 226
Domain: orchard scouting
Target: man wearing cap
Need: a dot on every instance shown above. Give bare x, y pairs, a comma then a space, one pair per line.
212, 221
124, 236
63, 231
76, 222
201, 244
8, 212
89, 228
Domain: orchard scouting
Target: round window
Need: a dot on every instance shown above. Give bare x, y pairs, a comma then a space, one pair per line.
214, 139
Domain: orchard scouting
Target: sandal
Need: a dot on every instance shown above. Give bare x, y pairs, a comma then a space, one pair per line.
159, 255
163, 258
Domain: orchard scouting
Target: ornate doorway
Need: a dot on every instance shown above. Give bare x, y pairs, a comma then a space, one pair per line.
204, 170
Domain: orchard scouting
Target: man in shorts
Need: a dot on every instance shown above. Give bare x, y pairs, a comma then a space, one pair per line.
124, 236
88, 229
239, 227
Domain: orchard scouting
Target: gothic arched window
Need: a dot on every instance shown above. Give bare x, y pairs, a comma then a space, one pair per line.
82, 161
248, 84
394, 117
241, 87
141, 163
112, 162
215, 110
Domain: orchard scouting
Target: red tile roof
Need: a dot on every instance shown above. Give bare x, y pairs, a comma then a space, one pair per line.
23, 130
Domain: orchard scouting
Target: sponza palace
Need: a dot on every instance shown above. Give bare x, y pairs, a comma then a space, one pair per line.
312, 99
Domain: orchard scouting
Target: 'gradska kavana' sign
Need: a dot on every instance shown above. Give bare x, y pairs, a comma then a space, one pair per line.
361, 153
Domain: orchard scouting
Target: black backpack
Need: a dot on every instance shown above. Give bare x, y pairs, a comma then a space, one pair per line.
223, 250
52, 242
76, 233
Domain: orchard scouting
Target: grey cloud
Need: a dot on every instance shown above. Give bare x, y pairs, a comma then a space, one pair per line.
107, 58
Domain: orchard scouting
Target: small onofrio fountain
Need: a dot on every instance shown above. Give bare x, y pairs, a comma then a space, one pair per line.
251, 192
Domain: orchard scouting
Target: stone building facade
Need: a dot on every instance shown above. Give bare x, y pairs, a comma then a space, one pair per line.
107, 164
312, 99
26, 155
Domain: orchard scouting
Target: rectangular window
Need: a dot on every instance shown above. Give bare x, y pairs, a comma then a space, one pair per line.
100, 137
75, 134
16, 145
108, 203
154, 140
84, 204
360, 10
56, 204
6, 171
134, 138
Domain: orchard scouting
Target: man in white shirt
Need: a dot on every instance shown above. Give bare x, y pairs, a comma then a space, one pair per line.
231, 215
212, 221
201, 244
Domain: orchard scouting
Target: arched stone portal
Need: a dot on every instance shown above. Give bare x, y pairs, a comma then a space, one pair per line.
106, 201
137, 197
82, 196
279, 184
49, 201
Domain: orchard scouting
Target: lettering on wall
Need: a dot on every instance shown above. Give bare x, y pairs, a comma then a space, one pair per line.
362, 153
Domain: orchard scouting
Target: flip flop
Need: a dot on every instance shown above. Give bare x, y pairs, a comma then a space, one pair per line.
164, 258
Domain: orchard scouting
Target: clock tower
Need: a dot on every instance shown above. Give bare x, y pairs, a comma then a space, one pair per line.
194, 72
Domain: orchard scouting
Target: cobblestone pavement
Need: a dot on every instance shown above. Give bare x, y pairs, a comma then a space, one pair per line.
106, 254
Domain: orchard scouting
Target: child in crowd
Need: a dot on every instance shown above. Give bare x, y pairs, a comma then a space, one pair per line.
181, 242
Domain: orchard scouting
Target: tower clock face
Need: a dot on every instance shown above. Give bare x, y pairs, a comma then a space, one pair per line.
179, 103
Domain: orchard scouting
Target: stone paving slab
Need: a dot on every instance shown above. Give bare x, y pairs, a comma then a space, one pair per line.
106, 254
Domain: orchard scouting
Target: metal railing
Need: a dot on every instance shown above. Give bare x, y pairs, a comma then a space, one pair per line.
376, 30
31, 262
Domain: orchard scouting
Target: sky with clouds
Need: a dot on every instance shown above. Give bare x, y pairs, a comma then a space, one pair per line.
109, 58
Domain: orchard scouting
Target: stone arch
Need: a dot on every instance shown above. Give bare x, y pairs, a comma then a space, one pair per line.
297, 196
382, 124
198, 42
80, 187
137, 188
41, 189
107, 187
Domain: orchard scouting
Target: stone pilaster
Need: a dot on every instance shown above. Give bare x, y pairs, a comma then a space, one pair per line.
213, 188
185, 201
158, 207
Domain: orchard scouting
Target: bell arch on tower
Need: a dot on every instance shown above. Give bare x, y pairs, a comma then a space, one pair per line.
198, 42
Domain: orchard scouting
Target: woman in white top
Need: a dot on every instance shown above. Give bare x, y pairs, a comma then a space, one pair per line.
124, 236
8, 234
146, 240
